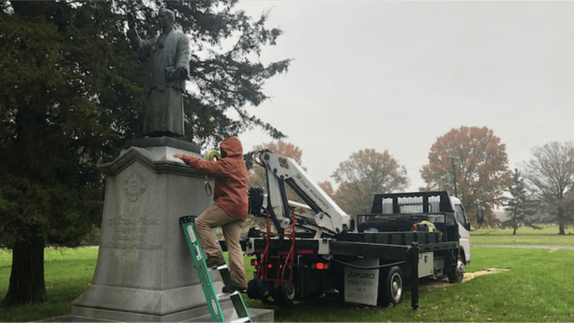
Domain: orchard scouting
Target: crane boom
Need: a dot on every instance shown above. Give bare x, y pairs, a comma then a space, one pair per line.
326, 216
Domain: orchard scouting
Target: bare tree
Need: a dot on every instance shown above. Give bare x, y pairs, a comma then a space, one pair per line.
550, 173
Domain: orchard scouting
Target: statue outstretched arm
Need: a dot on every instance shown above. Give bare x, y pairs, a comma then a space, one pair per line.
143, 46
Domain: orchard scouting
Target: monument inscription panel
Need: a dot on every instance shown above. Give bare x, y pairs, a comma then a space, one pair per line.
132, 228
135, 231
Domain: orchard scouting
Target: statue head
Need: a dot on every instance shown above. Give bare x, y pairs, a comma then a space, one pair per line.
166, 17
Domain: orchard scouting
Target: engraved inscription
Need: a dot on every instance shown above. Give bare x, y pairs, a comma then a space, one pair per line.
131, 232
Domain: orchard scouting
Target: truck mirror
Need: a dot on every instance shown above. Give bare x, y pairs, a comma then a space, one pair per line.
480, 216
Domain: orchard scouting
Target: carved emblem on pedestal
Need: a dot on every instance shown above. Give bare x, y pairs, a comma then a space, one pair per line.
134, 186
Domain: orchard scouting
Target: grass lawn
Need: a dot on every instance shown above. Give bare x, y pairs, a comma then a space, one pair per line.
536, 289
548, 235
67, 273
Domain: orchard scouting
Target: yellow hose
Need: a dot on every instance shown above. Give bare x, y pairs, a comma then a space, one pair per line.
212, 156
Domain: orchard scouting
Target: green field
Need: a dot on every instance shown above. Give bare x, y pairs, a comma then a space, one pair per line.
536, 289
68, 272
547, 235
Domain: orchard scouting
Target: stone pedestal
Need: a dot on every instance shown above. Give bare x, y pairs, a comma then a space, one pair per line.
144, 271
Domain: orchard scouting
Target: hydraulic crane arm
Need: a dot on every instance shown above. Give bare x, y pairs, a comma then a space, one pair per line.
326, 215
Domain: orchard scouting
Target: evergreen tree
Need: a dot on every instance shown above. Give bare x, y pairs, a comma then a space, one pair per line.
71, 94
521, 208
57, 111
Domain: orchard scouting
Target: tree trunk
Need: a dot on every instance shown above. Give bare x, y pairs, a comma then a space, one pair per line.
515, 224
561, 222
27, 277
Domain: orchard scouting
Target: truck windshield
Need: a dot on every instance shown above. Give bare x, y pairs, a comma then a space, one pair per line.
459, 214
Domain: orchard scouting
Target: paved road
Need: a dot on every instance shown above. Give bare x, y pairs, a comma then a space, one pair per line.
525, 246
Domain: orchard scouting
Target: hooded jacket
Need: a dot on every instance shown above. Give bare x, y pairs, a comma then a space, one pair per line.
230, 173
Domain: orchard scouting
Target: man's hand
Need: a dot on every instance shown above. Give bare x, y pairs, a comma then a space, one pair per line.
178, 155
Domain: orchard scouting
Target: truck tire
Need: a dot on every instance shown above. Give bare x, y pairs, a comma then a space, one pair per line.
456, 275
392, 287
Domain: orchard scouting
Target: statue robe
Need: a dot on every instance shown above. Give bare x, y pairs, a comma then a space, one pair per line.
164, 112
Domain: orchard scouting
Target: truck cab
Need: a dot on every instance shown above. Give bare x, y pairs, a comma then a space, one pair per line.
463, 229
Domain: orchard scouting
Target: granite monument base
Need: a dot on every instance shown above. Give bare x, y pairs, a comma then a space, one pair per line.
144, 271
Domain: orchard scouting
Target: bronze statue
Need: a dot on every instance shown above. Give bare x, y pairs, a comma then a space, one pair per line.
169, 68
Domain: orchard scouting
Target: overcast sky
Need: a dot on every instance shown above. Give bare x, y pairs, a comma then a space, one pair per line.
397, 75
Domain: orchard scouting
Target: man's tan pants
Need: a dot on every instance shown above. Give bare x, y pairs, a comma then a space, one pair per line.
212, 217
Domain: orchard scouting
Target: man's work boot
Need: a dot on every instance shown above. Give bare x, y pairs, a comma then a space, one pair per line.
214, 262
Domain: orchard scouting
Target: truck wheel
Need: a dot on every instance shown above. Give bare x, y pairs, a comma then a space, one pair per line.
288, 292
457, 274
251, 290
263, 289
393, 286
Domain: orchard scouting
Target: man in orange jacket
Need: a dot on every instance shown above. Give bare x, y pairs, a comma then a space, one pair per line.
229, 208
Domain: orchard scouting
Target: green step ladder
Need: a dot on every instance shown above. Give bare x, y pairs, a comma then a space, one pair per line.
211, 296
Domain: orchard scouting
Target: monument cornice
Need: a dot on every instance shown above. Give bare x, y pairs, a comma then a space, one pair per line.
146, 158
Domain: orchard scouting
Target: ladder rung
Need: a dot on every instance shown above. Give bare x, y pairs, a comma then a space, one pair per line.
223, 295
241, 320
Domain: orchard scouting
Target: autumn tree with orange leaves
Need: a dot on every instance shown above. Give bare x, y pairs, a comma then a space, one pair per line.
480, 168
366, 173
327, 188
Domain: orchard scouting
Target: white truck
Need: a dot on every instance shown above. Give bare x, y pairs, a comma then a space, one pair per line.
307, 251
